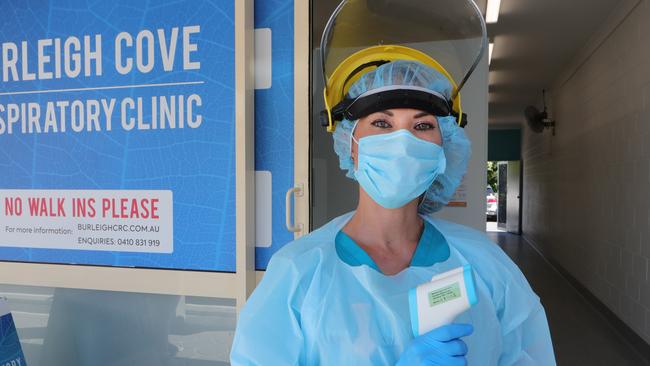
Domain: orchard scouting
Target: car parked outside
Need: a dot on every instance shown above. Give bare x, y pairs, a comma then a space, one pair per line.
491, 202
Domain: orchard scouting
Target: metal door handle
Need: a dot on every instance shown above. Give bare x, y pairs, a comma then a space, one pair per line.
297, 192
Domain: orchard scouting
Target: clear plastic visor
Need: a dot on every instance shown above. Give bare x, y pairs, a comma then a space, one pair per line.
452, 32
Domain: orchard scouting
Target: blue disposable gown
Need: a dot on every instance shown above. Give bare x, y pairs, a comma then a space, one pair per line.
311, 308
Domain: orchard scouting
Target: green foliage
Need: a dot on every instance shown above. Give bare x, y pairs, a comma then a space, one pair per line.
492, 175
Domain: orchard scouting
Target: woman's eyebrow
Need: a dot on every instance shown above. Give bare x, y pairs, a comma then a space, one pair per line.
422, 114
387, 112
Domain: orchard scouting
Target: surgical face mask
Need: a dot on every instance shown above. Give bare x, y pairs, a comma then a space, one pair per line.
395, 168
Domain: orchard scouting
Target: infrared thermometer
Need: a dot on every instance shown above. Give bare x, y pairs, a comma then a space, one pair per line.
439, 301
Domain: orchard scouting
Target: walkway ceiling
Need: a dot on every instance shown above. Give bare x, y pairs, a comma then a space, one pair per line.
534, 40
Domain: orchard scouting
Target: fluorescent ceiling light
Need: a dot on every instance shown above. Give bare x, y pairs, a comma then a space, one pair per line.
490, 53
492, 13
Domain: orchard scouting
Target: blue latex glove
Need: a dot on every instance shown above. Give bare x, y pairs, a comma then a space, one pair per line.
441, 346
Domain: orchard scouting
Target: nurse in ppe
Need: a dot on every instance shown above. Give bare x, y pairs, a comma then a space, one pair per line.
340, 295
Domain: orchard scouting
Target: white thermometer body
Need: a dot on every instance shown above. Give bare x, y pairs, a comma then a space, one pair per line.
439, 301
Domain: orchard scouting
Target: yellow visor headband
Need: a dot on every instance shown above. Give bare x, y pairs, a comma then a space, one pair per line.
356, 65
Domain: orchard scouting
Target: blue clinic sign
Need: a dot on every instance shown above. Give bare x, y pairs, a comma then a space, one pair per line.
11, 353
117, 134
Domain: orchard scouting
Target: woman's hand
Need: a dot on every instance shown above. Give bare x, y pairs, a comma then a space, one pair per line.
441, 346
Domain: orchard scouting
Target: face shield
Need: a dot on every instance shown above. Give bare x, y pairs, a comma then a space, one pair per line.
361, 35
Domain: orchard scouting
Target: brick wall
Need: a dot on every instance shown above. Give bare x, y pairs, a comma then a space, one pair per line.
587, 189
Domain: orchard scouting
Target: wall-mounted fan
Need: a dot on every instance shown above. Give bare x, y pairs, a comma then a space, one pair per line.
538, 121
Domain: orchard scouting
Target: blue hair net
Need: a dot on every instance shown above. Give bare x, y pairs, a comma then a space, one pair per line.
455, 143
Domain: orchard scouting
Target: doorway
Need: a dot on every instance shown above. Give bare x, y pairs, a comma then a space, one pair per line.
504, 179
503, 197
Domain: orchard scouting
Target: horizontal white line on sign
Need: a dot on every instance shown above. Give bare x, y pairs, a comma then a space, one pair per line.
103, 88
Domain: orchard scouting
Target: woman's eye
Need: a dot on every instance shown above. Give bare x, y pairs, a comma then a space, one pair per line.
424, 126
381, 123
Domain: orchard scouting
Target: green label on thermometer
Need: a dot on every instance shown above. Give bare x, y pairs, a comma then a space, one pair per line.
442, 295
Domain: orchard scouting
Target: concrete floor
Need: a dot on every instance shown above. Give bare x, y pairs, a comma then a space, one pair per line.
491, 226
581, 334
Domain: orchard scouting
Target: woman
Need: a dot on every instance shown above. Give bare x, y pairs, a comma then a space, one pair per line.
339, 295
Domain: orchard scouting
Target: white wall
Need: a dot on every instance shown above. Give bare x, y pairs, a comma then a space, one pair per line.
586, 190
475, 103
